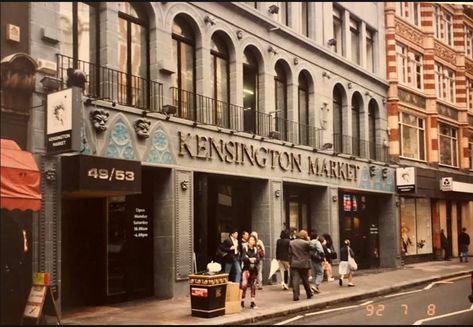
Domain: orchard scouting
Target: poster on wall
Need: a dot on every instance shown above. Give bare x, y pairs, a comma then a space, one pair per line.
405, 179
346, 202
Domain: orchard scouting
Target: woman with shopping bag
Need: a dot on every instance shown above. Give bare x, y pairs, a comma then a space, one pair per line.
347, 263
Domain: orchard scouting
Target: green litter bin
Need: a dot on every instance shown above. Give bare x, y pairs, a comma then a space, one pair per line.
208, 292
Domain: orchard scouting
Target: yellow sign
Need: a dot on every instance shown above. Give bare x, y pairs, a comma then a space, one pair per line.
40, 278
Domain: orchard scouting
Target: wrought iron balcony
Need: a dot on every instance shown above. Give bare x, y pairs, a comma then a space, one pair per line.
112, 85
359, 148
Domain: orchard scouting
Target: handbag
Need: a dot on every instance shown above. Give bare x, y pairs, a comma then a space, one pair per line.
352, 263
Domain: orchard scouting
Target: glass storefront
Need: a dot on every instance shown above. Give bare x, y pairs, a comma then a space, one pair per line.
416, 226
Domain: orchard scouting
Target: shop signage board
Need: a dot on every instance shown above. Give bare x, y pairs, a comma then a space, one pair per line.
63, 119
99, 174
406, 179
140, 223
40, 290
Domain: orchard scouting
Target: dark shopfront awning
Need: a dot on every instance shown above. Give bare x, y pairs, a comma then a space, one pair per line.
20, 178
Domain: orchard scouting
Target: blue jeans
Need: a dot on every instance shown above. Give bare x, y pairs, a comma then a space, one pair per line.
234, 270
317, 273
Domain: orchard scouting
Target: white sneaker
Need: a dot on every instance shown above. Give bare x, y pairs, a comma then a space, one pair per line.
331, 279
284, 287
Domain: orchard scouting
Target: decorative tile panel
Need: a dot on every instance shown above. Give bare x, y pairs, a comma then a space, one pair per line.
120, 145
409, 33
443, 52
159, 151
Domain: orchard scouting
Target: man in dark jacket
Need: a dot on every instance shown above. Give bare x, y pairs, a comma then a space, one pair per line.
282, 255
299, 254
444, 245
463, 244
232, 264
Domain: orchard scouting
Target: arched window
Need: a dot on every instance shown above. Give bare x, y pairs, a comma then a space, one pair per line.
184, 80
337, 119
372, 129
250, 91
79, 41
355, 125
303, 97
280, 92
220, 81
133, 63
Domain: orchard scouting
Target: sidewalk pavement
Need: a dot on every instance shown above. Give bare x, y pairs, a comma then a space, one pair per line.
272, 301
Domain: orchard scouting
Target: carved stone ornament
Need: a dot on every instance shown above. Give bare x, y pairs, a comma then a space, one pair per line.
444, 53
99, 119
469, 67
409, 33
142, 126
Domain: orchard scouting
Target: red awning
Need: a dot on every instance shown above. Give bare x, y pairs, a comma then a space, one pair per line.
20, 178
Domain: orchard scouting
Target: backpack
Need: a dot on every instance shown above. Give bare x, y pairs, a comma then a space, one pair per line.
316, 255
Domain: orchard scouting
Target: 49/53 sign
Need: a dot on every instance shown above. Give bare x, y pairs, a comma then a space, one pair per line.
103, 176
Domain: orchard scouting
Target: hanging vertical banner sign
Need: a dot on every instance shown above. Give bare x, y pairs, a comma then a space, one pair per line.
63, 119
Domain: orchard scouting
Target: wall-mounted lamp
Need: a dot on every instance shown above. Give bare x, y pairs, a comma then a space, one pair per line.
332, 42
277, 193
273, 9
184, 185
334, 198
209, 20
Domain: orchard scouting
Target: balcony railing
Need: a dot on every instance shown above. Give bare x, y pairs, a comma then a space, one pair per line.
360, 148
109, 84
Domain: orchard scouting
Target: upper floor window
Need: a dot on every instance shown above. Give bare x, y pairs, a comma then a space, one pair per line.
284, 13
412, 136
410, 11
305, 18
78, 31
448, 145
355, 41
369, 50
337, 30
443, 25
470, 151
250, 90
220, 81
355, 125
469, 41
280, 92
469, 94
338, 118
409, 66
303, 95
132, 54
183, 40
372, 109
444, 83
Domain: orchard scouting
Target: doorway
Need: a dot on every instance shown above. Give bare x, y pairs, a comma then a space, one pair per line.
297, 208
359, 224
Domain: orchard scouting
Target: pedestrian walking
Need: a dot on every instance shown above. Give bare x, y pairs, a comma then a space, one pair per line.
244, 239
261, 252
327, 262
282, 255
231, 260
444, 245
344, 267
317, 257
463, 244
250, 259
299, 259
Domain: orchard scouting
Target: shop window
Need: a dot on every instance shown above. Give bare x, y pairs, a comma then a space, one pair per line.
448, 145
416, 226
411, 129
